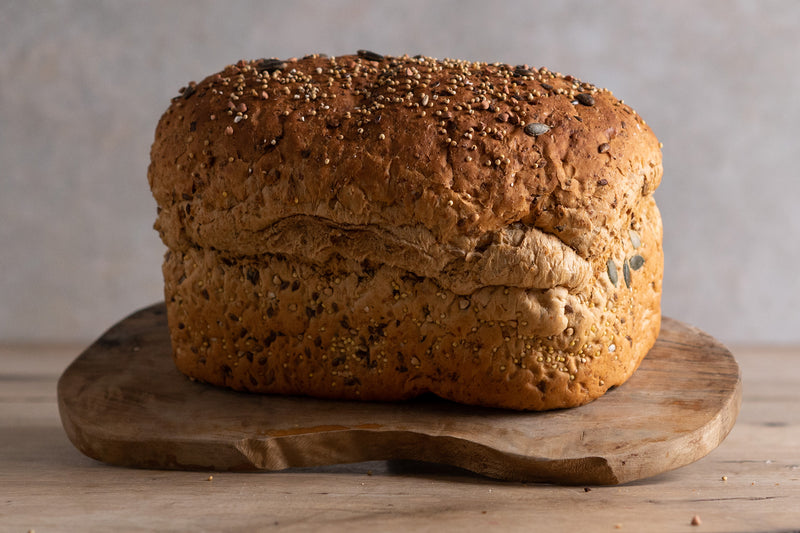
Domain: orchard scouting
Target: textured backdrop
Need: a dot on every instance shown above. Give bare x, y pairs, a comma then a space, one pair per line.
82, 85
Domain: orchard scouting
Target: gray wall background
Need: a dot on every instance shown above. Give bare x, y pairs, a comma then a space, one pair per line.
82, 85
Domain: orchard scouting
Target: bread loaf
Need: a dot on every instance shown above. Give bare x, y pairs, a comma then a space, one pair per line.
375, 228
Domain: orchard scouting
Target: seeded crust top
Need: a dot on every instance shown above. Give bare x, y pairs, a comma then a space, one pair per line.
443, 153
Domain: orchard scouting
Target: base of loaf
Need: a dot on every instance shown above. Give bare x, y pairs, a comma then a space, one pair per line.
353, 330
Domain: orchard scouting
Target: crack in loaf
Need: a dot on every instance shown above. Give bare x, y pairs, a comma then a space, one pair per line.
373, 227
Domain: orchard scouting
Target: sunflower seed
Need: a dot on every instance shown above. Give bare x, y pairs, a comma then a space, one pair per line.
637, 261
534, 129
611, 267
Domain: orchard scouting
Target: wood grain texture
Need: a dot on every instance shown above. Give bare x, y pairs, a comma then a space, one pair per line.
48, 485
123, 402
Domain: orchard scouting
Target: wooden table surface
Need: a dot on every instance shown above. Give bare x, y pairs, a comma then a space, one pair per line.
750, 483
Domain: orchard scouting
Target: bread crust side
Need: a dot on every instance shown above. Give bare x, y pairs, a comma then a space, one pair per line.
358, 330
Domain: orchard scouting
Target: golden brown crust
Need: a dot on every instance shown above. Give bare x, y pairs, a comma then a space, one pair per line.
476, 239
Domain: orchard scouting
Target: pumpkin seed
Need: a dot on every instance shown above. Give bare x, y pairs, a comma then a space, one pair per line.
636, 241
637, 261
270, 65
611, 267
585, 99
534, 129
522, 70
369, 55
626, 273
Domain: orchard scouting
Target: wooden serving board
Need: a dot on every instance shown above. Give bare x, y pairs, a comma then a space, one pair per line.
123, 402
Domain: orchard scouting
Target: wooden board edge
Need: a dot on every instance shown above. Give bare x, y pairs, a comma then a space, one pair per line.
275, 453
